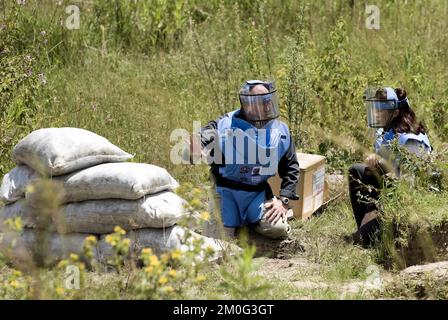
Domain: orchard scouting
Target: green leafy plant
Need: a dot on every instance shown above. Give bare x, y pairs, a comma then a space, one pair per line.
239, 280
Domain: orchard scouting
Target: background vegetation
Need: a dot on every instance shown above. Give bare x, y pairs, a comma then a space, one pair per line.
136, 70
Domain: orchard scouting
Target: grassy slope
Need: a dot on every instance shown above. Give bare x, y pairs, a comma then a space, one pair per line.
328, 268
136, 102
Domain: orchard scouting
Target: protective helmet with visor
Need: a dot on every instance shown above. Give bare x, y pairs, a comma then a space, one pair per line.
381, 103
259, 101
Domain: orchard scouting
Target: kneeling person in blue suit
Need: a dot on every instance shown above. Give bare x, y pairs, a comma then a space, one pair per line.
246, 147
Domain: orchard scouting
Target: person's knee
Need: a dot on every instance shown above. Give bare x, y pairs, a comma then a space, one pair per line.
353, 169
279, 230
356, 171
370, 232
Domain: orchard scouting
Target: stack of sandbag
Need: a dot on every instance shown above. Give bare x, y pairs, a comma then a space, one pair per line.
96, 199
100, 191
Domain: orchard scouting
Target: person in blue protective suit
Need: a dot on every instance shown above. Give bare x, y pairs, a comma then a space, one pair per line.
246, 147
388, 111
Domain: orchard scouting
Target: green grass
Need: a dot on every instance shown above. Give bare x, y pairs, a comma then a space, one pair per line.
135, 86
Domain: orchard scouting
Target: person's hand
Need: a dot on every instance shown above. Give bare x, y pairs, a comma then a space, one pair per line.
372, 160
194, 146
276, 210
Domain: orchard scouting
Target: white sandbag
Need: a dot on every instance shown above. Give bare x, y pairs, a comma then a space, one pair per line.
58, 151
101, 216
20, 210
15, 182
55, 247
168, 239
129, 181
52, 247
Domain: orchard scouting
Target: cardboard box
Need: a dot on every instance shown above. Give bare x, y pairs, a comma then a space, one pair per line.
311, 187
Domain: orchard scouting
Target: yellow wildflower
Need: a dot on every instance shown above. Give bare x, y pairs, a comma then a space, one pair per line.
17, 273
200, 278
205, 216
168, 289
149, 269
164, 257
172, 273
176, 254
109, 239
147, 251
74, 256
18, 224
91, 239
209, 250
60, 291
15, 224
119, 230
195, 203
154, 261
163, 280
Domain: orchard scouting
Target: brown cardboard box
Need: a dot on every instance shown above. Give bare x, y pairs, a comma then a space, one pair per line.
311, 187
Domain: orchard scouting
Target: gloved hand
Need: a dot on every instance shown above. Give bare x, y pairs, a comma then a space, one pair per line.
193, 149
372, 160
275, 210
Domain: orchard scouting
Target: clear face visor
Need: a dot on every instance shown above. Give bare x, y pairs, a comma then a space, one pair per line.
380, 112
380, 107
260, 107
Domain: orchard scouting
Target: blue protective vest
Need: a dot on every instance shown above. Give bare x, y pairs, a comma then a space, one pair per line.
251, 155
403, 138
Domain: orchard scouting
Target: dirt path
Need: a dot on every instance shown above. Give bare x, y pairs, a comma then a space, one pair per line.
291, 271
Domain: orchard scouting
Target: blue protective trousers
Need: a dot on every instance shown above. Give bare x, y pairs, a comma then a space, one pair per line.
239, 207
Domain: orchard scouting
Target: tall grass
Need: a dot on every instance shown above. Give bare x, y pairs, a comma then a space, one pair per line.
136, 70
160, 59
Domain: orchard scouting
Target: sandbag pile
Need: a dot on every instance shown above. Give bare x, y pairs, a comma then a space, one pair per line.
100, 190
